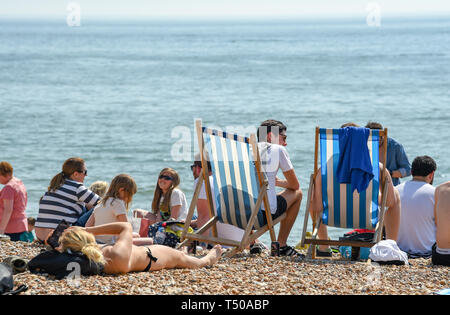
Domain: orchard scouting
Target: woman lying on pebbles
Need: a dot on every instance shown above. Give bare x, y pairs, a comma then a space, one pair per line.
123, 256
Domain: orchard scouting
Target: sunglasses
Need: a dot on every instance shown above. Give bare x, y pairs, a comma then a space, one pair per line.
83, 172
165, 177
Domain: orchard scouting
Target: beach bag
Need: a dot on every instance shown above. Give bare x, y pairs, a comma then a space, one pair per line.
167, 233
61, 265
356, 253
7, 282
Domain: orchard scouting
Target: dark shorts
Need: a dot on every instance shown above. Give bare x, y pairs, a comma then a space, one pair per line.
281, 208
439, 259
15, 237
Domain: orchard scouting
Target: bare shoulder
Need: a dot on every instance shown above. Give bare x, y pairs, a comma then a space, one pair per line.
442, 198
443, 188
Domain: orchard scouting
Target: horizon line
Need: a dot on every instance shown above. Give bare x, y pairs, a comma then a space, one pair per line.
439, 14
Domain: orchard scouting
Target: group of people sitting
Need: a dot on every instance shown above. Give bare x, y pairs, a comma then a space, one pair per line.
99, 214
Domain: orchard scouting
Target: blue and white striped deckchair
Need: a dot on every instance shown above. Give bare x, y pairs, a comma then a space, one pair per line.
239, 185
341, 207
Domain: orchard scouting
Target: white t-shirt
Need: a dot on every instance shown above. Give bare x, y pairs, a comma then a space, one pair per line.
417, 232
108, 213
226, 231
178, 198
273, 158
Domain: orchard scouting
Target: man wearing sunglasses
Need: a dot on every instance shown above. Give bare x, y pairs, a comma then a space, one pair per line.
274, 156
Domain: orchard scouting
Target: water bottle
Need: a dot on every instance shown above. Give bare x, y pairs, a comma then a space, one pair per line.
160, 236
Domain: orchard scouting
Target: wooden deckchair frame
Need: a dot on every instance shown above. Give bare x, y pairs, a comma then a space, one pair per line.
250, 234
317, 220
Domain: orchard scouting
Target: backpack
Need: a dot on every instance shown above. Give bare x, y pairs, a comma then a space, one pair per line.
7, 282
60, 264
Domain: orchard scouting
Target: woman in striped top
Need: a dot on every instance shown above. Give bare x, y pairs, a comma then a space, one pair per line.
65, 199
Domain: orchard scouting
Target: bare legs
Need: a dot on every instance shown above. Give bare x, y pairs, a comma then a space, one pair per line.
171, 258
293, 199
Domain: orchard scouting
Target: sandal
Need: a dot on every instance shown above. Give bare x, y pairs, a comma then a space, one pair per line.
290, 251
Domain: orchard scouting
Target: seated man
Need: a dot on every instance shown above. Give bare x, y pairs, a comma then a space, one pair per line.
274, 156
417, 232
391, 217
441, 250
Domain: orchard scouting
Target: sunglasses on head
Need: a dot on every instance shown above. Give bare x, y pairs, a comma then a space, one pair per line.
165, 177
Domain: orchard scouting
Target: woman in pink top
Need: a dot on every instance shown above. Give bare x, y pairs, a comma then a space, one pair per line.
13, 202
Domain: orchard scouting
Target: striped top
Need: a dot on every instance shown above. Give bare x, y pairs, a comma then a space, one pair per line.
66, 202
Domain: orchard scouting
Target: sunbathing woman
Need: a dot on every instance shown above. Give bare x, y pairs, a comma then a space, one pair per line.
123, 256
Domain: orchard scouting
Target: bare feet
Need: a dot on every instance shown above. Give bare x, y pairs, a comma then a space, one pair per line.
213, 255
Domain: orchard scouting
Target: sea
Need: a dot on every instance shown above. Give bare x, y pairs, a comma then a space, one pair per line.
124, 95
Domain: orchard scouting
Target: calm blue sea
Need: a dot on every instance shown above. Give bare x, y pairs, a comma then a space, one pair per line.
124, 95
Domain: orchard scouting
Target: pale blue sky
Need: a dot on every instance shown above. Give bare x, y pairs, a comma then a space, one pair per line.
220, 8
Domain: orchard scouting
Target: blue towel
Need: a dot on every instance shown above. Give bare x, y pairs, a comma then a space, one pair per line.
354, 166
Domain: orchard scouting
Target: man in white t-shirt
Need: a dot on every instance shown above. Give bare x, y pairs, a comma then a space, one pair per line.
417, 232
226, 231
274, 156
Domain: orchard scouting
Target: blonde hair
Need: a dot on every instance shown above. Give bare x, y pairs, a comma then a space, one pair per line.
99, 187
78, 240
124, 181
159, 193
69, 167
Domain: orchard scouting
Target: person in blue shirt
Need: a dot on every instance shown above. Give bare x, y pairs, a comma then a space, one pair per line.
396, 161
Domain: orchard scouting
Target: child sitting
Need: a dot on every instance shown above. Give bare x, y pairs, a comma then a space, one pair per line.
100, 188
114, 207
28, 235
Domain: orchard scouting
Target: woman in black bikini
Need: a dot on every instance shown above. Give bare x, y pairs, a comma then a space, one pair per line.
123, 256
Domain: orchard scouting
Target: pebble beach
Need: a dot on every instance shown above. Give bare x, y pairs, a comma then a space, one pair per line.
246, 274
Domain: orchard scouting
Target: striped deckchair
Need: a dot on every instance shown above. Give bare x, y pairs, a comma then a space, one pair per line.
239, 188
341, 207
